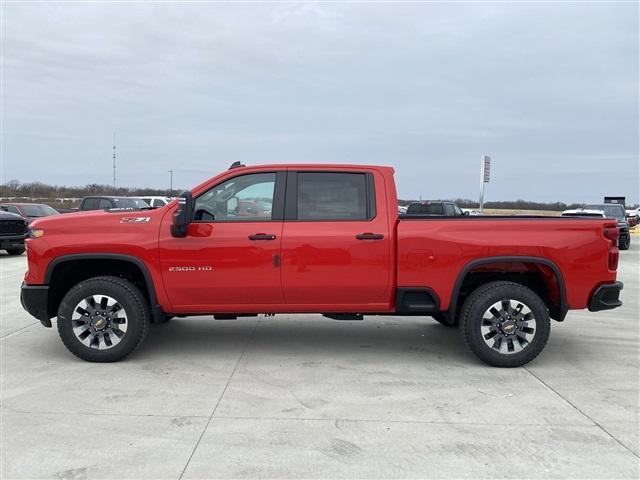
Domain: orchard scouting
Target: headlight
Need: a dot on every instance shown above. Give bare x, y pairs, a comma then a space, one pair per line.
36, 232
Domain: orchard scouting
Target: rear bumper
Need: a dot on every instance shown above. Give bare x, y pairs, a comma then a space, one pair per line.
35, 300
606, 297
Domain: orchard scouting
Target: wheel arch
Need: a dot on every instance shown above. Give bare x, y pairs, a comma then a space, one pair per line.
83, 266
557, 312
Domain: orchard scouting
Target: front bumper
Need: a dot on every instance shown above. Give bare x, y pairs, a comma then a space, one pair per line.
35, 300
606, 297
12, 241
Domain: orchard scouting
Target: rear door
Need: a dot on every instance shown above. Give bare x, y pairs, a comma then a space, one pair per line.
336, 247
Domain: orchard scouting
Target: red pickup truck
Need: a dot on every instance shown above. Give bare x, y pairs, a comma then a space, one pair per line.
314, 239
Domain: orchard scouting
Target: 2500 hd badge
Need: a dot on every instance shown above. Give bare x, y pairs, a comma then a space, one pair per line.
199, 268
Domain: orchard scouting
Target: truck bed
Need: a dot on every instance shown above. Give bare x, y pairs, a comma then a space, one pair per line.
442, 250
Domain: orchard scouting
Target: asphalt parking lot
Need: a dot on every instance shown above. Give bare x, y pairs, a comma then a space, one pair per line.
304, 396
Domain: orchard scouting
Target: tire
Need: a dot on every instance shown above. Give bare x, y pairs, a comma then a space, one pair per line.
443, 319
520, 331
625, 242
124, 316
15, 251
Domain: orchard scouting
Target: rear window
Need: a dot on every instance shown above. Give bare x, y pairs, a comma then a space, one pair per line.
425, 209
332, 196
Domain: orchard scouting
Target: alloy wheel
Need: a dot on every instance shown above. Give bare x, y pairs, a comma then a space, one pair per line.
508, 326
99, 322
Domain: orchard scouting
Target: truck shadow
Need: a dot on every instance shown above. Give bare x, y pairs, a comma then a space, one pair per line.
296, 336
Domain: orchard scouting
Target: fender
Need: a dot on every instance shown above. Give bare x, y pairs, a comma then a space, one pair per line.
559, 315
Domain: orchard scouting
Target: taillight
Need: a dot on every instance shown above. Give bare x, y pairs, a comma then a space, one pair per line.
612, 232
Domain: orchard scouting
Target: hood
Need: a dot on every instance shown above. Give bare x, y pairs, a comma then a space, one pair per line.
91, 217
10, 216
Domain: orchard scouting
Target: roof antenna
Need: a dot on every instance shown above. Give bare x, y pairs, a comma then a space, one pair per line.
236, 164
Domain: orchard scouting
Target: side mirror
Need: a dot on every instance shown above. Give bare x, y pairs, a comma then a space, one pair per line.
183, 215
465, 213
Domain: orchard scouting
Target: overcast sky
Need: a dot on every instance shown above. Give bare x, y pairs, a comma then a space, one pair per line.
549, 90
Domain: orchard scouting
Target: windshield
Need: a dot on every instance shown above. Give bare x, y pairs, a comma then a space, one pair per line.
37, 210
425, 209
611, 210
130, 203
582, 214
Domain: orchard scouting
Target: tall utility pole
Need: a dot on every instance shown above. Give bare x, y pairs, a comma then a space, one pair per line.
485, 171
114, 162
171, 183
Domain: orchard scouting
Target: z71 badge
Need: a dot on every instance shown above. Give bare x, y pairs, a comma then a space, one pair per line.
135, 219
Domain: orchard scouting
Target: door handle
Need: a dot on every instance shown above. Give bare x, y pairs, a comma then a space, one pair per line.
262, 236
369, 236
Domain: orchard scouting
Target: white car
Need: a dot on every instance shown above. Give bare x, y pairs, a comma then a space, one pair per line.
156, 202
581, 212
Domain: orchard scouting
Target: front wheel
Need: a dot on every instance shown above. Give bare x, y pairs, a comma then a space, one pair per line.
103, 319
625, 242
505, 324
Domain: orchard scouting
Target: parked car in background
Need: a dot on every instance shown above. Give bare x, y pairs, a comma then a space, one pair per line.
156, 202
615, 210
436, 208
107, 203
13, 231
580, 212
471, 212
633, 217
30, 211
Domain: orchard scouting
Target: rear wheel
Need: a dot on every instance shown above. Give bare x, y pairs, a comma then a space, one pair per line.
505, 324
103, 319
15, 251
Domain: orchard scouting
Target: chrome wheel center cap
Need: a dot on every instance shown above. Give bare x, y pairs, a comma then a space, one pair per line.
100, 322
509, 328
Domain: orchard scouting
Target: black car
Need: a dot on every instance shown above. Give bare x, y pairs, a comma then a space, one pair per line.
105, 203
616, 211
13, 231
437, 208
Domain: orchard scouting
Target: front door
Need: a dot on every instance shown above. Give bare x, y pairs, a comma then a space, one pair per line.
229, 261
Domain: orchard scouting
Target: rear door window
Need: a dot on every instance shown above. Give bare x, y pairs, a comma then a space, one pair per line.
332, 196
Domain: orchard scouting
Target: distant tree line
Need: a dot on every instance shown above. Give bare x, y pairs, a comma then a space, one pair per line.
43, 191
14, 188
512, 204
